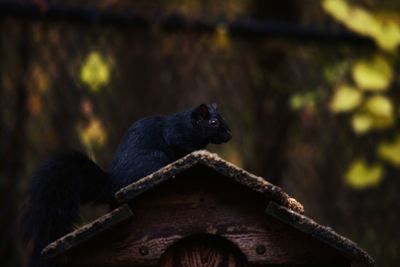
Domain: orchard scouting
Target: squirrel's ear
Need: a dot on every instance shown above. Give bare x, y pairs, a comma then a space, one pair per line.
214, 105
201, 112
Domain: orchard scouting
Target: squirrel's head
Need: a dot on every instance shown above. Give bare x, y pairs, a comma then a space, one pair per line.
210, 124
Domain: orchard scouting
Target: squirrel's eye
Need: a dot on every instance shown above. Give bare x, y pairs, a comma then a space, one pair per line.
214, 122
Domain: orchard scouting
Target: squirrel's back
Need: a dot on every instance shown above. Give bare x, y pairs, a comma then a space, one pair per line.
154, 142
66, 180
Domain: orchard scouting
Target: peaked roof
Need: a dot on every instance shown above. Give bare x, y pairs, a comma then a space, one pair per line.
217, 164
281, 207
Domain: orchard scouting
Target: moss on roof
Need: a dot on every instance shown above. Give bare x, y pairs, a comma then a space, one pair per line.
217, 164
322, 233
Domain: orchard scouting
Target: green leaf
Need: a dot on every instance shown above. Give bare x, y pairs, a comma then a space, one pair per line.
390, 151
345, 99
360, 175
296, 102
373, 75
334, 71
306, 100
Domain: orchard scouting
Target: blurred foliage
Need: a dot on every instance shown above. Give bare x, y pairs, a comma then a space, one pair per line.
379, 106
221, 38
306, 100
390, 151
384, 31
360, 175
93, 135
371, 74
371, 112
374, 74
361, 123
345, 99
95, 71
376, 112
318, 118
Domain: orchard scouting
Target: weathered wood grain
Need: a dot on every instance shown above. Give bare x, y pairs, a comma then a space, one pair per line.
203, 204
216, 164
321, 233
88, 231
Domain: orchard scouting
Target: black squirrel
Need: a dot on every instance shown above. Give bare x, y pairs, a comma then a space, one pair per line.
67, 180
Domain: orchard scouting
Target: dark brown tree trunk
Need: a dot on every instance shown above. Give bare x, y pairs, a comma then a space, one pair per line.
11, 159
274, 118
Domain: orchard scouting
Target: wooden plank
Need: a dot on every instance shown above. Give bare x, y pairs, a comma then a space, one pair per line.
132, 190
88, 231
202, 204
321, 233
215, 164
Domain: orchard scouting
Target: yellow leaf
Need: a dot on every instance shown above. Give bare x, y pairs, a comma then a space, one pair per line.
361, 176
382, 123
385, 32
379, 106
376, 114
389, 35
93, 135
336, 8
374, 75
361, 122
390, 151
345, 99
221, 38
95, 71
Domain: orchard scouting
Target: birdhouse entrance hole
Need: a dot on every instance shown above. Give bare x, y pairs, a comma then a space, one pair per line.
203, 250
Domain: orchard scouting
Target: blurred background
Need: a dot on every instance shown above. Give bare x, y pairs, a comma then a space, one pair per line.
310, 89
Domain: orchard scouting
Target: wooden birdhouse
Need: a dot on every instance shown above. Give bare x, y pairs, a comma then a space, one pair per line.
204, 211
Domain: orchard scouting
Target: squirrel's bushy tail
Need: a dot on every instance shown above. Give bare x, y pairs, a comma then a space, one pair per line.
58, 187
